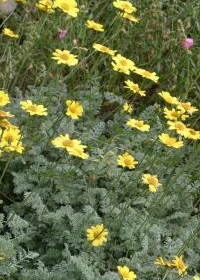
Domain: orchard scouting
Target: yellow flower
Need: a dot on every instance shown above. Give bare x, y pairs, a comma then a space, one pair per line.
178, 126
179, 264
69, 7
126, 160
4, 114
138, 124
152, 181
127, 108
196, 277
129, 17
96, 234
134, 87
122, 64
125, 6
170, 141
65, 57
5, 123
146, 74
46, 5
174, 114
186, 107
160, 261
168, 98
126, 273
10, 135
103, 49
74, 109
4, 99
192, 134
94, 25
73, 146
10, 33
33, 109
15, 146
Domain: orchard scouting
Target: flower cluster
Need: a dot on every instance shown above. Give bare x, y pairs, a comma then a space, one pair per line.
177, 263
69, 7
175, 117
10, 139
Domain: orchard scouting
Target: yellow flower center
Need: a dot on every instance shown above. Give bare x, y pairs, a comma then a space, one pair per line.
72, 109
127, 161
32, 108
9, 137
123, 62
64, 56
104, 49
192, 131
139, 123
170, 141
152, 181
97, 234
175, 114
180, 264
68, 143
180, 126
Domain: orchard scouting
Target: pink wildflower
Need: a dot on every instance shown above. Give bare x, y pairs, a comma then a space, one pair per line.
62, 33
188, 43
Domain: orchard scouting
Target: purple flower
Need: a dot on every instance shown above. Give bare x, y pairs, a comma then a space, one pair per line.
62, 33
188, 43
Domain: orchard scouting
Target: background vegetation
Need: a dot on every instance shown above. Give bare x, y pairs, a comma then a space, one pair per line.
50, 198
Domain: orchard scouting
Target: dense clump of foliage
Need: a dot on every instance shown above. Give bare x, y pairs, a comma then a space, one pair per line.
99, 144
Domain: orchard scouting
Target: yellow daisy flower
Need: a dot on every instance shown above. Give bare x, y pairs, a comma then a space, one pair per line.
47, 6
196, 277
186, 107
65, 57
127, 108
96, 234
146, 74
160, 261
192, 134
69, 7
74, 109
125, 6
170, 141
127, 160
9, 136
152, 181
179, 264
134, 88
73, 146
129, 17
33, 109
168, 98
10, 33
5, 124
174, 114
178, 126
122, 64
15, 146
138, 124
4, 114
126, 273
103, 49
94, 25
4, 99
